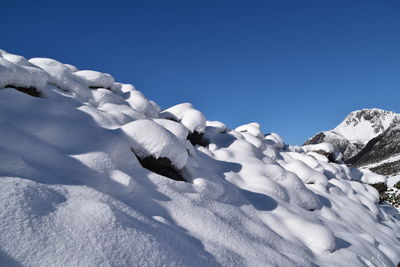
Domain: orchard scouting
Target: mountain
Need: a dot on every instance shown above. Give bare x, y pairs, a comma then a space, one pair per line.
366, 136
356, 130
92, 173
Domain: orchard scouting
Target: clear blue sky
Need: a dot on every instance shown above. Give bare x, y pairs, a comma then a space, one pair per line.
297, 67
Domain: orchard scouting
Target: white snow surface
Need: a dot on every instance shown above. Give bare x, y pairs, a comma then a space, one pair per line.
355, 127
74, 194
185, 113
95, 78
251, 128
218, 125
325, 147
275, 140
62, 77
147, 138
18, 72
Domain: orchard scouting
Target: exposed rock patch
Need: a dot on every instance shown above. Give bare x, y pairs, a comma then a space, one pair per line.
196, 138
32, 91
161, 166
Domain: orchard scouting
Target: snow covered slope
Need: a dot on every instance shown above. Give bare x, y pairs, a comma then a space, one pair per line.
84, 167
363, 125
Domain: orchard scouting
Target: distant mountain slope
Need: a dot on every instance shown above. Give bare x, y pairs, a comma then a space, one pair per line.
379, 148
364, 136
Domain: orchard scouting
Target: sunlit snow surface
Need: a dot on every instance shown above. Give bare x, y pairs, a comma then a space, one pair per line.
74, 194
363, 125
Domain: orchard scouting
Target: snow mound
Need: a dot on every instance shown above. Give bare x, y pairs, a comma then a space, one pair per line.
150, 139
185, 113
370, 177
140, 103
275, 140
217, 124
71, 67
84, 180
95, 79
325, 149
251, 128
16, 71
62, 77
318, 237
180, 131
84, 228
306, 174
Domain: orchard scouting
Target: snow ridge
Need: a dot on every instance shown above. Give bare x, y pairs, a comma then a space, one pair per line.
356, 130
363, 125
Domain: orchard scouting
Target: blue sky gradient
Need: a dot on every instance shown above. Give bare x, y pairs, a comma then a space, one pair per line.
297, 67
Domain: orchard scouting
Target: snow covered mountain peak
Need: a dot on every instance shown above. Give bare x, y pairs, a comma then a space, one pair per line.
92, 173
363, 125
357, 129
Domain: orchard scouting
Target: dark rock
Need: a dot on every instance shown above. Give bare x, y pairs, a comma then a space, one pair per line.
162, 166
379, 148
359, 157
196, 138
32, 91
381, 187
397, 185
387, 169
316, 139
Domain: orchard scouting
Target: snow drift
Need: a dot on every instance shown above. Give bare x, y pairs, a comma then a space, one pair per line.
74, 191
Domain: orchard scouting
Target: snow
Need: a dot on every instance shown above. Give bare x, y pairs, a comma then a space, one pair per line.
71, 67
355, 127
305, 173
104, 96
391, 181
325, 147
16, 71
317, 237
62, 77
274, 140
95, 78
74, 194
217, 124
185, 113
180, 131
139, 102
369, 177
251, 128
148, 138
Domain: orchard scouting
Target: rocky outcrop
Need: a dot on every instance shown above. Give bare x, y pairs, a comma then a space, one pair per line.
379, 148
347, 148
